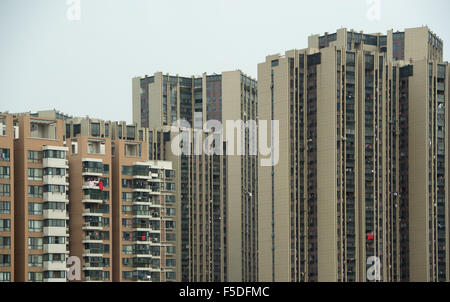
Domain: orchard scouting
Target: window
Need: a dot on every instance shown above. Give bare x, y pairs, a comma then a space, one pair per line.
127, 170
55, 154
171, 263
34, 174
5, 243
127, 223
170, 250
2, 126
119, 127
170, 225
127, 183
55, 171
96, 147
35, 208
55, 257
170, 211
35, 226
61, 206
54, 189
105, 169
170, 186
74, 147
127, 249
4, 154
34, 260
5, 225
5, 207
170, 174
5, 260
170, 198
5, 190
171, 276
127, 275
95, 129
5, 277
131, 132
106, 130
76, 129
127, 209
35, 191
35, 156
93, 167
170, 237
4, 173
54, 274
67, 131
54, 223
127, 196
54, 240
35, 243
35, 277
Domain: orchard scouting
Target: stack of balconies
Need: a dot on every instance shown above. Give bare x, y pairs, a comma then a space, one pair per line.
146, 223
55, 271
94, 221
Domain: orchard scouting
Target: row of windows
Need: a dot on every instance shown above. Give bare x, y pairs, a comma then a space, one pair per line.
36, 226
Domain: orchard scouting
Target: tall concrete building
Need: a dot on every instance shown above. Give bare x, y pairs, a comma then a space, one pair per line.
6, 198
144, 215
363, 158
91, 212
125, 228
217, 209
41, 201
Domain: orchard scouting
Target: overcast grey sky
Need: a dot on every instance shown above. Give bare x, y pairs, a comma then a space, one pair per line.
85, 67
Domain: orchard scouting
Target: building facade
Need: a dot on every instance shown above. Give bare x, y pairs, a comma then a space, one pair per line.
41, 201
218, 242
7, 246
341, 193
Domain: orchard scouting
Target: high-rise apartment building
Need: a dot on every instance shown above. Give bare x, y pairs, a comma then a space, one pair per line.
144, 215
125, 227
217, 209
357, 174
91, 190
6, 198
40, 196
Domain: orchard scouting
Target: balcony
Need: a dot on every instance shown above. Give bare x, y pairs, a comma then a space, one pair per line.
52, 280
88, 266
55, 180
55, 196
146, 188
93, 252
55, 266
87, 185
95, 279
55, 214
55, 249
96, 147
93, 226
55, 163
93, 239
43, 129
94, 212
92, 167
55, 231
95, 197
